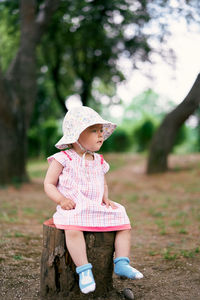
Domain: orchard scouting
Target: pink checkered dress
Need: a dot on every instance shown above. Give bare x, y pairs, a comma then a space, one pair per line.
83, 181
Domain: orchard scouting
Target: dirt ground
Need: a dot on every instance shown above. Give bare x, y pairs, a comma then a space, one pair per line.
164, 211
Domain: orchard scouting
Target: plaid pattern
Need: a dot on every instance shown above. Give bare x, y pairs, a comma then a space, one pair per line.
83, 182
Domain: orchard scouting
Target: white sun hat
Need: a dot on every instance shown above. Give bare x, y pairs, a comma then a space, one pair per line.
77, 120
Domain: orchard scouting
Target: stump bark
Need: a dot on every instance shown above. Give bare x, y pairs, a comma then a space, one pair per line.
58, 276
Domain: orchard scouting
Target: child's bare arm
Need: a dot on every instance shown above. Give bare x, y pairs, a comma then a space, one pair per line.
105, 199
50, 183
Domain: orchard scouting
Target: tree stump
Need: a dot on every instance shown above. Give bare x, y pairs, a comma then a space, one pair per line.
58, 276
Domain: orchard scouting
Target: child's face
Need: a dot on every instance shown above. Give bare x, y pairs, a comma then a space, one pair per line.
92, 137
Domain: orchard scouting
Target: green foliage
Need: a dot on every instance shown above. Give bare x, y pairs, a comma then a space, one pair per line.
146, 105
143, 134
85, 40
41, 140
9, 32
181, 135
143, 116
119, 141
186, 140
34, 142
50, 136
197, 130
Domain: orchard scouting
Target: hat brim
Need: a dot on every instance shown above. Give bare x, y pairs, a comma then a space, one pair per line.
108, 128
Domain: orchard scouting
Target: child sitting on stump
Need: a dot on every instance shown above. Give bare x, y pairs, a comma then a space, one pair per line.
76, 182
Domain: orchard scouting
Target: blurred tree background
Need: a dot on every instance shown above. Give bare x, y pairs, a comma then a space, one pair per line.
76, 52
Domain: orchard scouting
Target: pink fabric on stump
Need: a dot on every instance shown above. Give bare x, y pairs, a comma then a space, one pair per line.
83, 182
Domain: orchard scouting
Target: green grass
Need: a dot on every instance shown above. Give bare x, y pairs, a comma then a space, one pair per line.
8, 217
132, 198
187, 253
15, 234
183, 231
182, 214
156, 214
116, 161
17, 257
170, 254
152, 253
19, 234
29, 211
37, 168
161, 226
2, 259
176, 223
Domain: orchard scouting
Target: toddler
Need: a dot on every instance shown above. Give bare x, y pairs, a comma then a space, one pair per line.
76, 182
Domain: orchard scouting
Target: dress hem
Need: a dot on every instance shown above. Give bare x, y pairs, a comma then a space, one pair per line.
87, 228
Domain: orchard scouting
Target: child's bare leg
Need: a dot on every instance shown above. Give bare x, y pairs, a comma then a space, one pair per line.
76, 246
122, 252
122, 243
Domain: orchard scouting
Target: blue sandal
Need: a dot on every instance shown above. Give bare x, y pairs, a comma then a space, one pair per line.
86, 279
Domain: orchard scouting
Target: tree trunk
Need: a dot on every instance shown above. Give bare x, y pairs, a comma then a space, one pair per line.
18, 91
86, 91
12, 153
58, 276
163, 140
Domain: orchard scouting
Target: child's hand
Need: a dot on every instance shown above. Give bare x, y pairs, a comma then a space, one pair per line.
67, 204
108, 203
